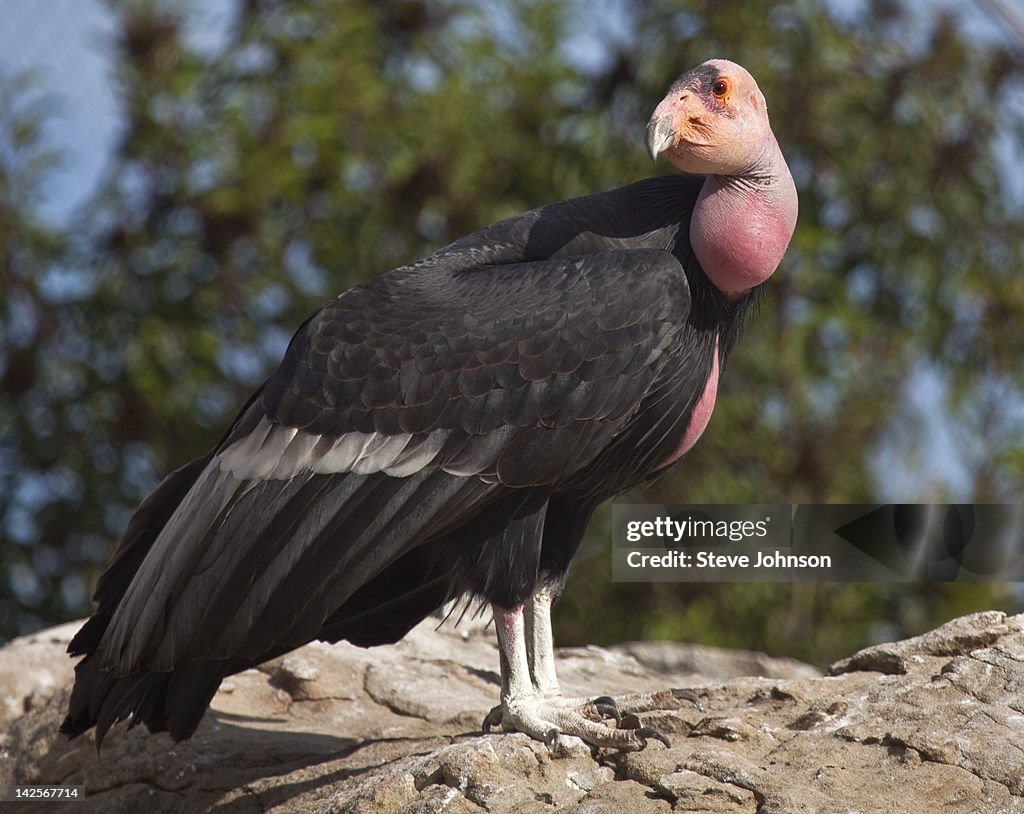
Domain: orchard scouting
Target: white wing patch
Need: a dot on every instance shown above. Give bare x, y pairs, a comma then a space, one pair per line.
275, 452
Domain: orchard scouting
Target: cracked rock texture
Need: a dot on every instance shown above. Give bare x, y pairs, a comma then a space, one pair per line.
930, 724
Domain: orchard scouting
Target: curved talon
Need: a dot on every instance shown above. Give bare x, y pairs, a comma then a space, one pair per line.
551, 737
493, 718
607, 708
691, 696
645, 732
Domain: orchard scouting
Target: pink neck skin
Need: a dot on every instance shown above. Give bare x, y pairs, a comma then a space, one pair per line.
740, 229
742, 224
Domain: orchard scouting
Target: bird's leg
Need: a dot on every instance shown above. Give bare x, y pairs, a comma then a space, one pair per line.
540, 652
530, 701
540, 645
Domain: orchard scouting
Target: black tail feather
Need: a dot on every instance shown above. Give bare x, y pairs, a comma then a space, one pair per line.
100, 699
173, 702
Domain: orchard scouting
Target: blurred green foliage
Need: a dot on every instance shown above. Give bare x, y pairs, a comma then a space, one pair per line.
330, 140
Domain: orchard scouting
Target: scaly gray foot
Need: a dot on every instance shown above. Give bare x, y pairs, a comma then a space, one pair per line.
547, 717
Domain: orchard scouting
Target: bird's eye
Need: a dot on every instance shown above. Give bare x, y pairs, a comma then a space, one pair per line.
720, 88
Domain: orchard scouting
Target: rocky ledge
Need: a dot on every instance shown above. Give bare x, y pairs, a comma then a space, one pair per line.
930, 724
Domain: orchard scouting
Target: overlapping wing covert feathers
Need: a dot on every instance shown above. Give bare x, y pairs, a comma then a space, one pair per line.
383, 429
419, 424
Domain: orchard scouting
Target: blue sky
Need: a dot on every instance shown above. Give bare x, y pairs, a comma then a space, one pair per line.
66, 44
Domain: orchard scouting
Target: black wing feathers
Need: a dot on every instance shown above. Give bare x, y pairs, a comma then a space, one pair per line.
411, 440
154, 512
569, 321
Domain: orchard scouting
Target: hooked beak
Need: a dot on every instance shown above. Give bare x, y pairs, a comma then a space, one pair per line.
660, 135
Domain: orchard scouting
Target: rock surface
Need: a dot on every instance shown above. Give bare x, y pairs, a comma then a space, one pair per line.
930, 724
